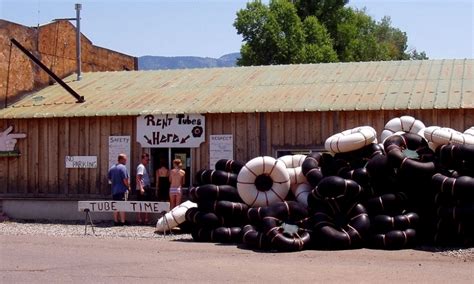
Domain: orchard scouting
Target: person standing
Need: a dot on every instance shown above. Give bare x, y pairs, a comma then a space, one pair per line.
176, 182
162, 182
118, 176
144, 190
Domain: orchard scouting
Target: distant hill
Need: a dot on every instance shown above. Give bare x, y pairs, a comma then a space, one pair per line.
181, 62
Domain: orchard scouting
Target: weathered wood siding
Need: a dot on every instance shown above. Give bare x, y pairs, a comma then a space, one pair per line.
41, 172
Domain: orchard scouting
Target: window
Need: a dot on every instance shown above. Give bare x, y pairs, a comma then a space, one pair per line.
283, 151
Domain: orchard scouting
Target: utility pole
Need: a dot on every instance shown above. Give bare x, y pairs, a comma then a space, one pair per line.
78, 40
78, 37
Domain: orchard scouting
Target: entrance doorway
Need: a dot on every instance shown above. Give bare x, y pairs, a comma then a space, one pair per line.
164, 157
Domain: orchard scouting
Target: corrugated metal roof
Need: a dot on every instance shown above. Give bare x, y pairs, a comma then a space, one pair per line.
438, 84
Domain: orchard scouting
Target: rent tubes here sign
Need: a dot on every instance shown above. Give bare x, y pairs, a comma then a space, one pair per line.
171, 131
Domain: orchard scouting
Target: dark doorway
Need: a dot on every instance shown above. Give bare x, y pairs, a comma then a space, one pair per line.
166, 156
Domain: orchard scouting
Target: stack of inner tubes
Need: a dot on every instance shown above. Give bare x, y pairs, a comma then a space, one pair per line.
392, 227
415, 187
454, 201
225, 173
337, 219
410, 156
404, 123
219, 221
353, 165
280, 227
230, 166
311, 168
216, 177
293, 165
176, 217
263, 181
220, 212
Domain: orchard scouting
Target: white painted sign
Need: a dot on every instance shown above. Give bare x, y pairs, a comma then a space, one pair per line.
119, 145
81, 162
123, 206
171, 131
220, 147
8, 140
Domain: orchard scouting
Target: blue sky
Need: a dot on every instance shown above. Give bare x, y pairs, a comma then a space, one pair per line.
444, 29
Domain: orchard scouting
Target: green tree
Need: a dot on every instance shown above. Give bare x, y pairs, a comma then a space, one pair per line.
310, 31
327, 11
275, 34
392, 40
355, 40
415, 55
318, 46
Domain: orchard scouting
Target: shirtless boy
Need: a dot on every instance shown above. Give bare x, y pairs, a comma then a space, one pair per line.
176, 176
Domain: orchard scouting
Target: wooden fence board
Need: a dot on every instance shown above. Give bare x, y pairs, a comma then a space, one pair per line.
104, 153
33, 164
53, 157
63, 150
43, 156
4, 181
73, 151
23, 160
93, 184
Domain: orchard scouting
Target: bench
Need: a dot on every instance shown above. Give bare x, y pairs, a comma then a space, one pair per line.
120, 206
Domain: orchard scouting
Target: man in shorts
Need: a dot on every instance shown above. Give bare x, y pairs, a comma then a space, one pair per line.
144, 190
118, 176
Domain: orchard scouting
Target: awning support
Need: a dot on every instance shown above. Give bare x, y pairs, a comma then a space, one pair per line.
80, 99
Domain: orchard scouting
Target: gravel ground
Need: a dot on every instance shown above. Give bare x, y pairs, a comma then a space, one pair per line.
106, 230
103, 230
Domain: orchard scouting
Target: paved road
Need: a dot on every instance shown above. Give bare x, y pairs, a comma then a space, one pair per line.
74, 259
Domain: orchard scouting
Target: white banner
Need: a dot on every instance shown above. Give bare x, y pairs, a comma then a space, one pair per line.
220, 147
119, 145
171, 131
73, 162
123, 206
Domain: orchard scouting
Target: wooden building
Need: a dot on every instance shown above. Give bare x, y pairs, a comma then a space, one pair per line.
265, 110
55, 45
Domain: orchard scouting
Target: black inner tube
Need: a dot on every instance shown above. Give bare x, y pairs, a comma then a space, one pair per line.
289, 229
340, 220
263, 182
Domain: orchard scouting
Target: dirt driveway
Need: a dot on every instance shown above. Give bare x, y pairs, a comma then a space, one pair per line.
39, 258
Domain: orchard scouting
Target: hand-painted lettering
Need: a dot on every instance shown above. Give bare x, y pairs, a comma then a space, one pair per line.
161, 122
148, 207
186, 120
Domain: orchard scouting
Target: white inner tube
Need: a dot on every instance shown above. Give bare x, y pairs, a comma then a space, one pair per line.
469, 131
351, 139
293, 161
296, 176
301, 193
263, 181
175, 217
444, 135
404, 123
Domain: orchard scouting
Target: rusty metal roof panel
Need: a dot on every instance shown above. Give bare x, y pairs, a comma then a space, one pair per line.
428, 84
